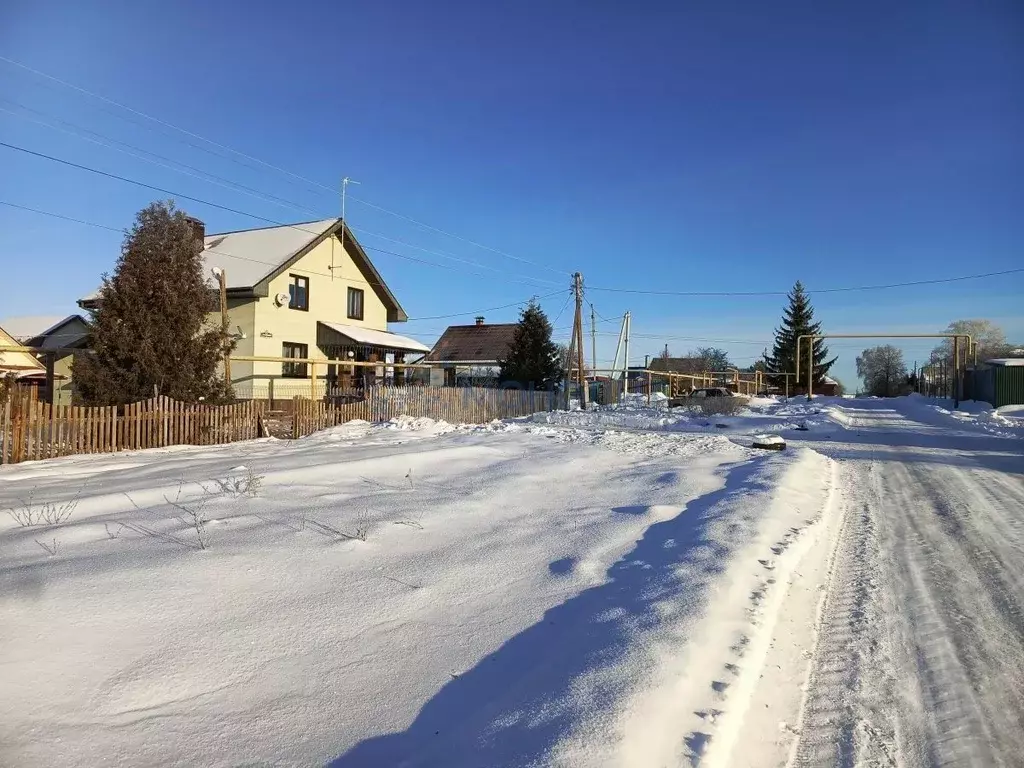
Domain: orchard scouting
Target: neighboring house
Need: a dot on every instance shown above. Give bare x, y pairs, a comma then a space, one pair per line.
829, 387
57, 344
23, 366
468, 355
305, 291
690, 365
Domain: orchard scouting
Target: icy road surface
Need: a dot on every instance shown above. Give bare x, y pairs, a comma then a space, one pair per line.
920, 654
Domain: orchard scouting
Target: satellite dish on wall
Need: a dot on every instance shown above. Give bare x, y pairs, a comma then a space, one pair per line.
282, 299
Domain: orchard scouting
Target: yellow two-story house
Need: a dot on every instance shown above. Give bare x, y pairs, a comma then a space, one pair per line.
304, 291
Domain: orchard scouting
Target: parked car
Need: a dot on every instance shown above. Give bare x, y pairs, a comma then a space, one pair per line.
711, 392
697, 394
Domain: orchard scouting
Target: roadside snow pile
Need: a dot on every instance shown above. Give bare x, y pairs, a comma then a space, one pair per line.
972, 414
761, 415
632, 417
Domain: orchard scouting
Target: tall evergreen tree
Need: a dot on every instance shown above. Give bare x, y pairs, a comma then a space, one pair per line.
533, 357
150, 333
797, 320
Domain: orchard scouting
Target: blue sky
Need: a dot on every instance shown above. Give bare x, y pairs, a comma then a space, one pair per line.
651, 146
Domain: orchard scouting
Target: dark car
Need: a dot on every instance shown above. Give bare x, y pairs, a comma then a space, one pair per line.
711, 392
697, 394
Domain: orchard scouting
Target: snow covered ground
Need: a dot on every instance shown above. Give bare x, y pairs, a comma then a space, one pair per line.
626, 587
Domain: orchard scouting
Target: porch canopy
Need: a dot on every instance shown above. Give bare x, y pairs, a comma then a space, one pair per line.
342, 336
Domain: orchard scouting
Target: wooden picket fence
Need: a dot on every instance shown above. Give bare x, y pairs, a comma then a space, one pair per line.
459, 405
30, 429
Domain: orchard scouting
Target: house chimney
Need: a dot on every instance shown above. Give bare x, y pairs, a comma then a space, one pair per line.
198, 230
479, 320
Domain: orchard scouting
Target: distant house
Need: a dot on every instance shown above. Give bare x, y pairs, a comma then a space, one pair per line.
829, 387
306, 291
57, 341
468, 355
22, 366
691, 365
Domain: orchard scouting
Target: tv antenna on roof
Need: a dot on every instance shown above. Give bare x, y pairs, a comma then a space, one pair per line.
344, 190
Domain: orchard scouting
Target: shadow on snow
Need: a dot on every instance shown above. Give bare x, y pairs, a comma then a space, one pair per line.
515, 705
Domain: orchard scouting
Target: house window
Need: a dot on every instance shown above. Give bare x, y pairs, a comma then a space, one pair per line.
355, 304
298, 293
294, 370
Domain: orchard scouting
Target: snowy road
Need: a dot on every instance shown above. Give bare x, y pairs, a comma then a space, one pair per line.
920, 652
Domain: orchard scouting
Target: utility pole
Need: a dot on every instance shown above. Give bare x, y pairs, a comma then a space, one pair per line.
626, 354
593, 343
225, 324
577, 333
618, 347
956, 372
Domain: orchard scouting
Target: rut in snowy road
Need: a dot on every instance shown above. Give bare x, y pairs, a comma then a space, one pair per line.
919, 657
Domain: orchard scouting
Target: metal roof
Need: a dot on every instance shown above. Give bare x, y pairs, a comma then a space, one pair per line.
374, 338
251, 257
472, 344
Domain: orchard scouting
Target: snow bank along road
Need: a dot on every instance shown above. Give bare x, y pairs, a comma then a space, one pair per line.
416, 594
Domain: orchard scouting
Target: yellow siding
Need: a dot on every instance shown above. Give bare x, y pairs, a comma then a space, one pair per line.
241, 315
272, 325
19, 362
63, 385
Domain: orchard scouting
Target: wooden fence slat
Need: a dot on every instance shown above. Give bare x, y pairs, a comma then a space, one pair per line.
5, 426
30, 422
51, 429
105, 429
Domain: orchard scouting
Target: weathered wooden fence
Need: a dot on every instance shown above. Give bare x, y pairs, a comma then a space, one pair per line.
30, 429
465, 405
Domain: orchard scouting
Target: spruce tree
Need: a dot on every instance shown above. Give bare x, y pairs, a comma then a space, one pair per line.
532, 356
797, 320
150, 334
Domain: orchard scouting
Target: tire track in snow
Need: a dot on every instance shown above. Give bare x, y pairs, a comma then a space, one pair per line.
833, 729
920, 651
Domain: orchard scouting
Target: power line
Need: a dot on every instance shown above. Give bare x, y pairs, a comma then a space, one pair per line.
669, 337
265, 164
208, 250
61, 216
197, 173
162, 122
446, 255
201, 201
105, 141
438, 230
266, 263
561, 311
489, 309
450, 234
820, 290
